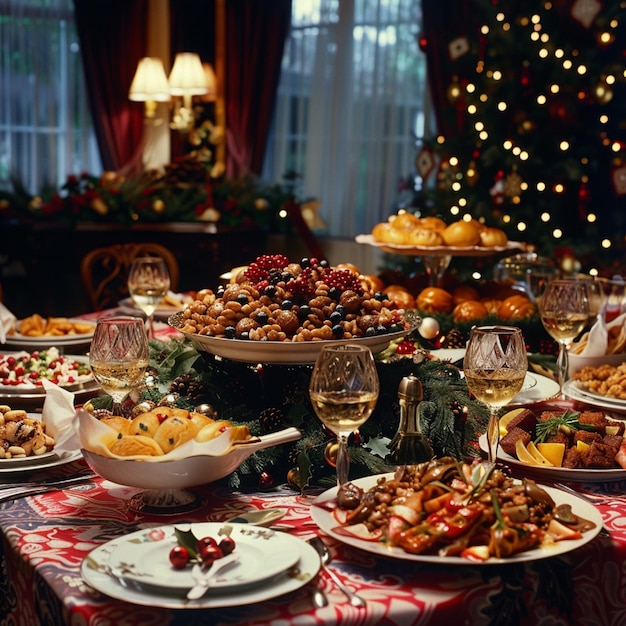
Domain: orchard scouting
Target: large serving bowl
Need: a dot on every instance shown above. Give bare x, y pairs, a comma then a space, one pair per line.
185, 472
576, 362
283, 352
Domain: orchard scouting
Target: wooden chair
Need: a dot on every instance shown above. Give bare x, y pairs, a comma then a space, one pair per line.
104, 271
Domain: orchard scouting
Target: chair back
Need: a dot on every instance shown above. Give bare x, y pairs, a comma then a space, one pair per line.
104, 271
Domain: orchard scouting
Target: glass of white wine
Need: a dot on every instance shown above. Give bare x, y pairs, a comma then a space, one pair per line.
495, 365
564, 311
344, 390
148, 283
118, 356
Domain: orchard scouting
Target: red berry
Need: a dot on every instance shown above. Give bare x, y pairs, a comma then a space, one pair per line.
179, 557
405, 347
227, 545
209, 554
205, 541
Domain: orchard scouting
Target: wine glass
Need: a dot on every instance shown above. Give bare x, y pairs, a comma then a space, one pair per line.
148, 283
118, 356
564, 311
344, 389
495, 365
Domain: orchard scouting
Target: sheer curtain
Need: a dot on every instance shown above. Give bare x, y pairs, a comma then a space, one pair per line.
45, 126
350, 106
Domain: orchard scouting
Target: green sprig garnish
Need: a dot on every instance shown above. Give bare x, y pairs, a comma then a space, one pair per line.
551, 427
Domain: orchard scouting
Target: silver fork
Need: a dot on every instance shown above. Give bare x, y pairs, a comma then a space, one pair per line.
33, 489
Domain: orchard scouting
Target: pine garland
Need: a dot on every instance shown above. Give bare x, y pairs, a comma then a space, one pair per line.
242, 393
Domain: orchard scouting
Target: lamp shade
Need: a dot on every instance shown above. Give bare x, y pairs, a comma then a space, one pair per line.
187, 76
150, 82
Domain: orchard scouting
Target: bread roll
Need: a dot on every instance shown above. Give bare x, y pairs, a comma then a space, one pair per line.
136, 445
173, 432
423, 237
145, 424
461, 234
469, 310
118, 423
493, 237
212, 430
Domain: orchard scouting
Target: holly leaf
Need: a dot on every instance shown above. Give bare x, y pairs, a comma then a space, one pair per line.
378, 446
187, 540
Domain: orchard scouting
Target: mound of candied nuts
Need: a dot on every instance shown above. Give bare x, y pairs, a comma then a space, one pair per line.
277, 300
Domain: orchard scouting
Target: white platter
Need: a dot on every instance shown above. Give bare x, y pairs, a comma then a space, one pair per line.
24, 342
558, 474
263, 554
39, 463
574, 390
94, 570
325, 520
281, 352
438, 250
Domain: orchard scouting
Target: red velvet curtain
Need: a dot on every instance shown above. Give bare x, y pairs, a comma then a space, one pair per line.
447, 22
255, 41
112, 36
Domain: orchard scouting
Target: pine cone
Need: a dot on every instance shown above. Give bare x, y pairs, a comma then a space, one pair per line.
453, 339
271, 419
100, 413
189, 386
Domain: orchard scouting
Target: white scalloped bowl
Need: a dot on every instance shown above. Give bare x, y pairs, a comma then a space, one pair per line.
182, 473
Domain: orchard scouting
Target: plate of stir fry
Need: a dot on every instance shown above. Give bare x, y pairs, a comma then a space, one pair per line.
444, 511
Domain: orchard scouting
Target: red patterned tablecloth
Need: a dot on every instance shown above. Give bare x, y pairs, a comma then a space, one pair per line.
46, 537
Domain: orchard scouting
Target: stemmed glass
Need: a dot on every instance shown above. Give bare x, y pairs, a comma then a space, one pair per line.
118, 356
148, 283
344, 389
564, 311
495, 365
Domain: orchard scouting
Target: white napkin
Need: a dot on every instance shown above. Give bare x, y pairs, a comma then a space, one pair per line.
595, 342
58, 416
7, 321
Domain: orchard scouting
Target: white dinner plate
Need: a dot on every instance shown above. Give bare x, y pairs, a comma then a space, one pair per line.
437, 250
280, 352
573, 389
323, 517
143, 556
557, 474
448, 354
34, 464
25, 342
162, 312
95, 570
536, 388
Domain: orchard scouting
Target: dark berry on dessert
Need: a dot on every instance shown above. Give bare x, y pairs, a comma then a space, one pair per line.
262, 317
286, 305
370, 331
230, 332
338, 330
334, 293
242, 298
335, 317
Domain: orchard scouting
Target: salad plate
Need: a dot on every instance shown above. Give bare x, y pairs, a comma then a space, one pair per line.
536, 388
323, 517
142, 556
74, 374
97, 572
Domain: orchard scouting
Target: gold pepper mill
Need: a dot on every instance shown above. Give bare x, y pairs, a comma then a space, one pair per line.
409, 446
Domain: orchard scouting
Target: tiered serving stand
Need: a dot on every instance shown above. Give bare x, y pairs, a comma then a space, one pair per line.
436, 259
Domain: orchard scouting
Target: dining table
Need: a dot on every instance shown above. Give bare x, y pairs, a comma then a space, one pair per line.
49, 535
46, 538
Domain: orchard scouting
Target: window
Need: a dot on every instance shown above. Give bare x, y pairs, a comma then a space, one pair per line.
350, 107
45, 126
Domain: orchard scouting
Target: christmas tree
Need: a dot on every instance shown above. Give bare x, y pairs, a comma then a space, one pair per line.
530, 99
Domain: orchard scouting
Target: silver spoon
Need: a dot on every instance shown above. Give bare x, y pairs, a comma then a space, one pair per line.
324, 552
